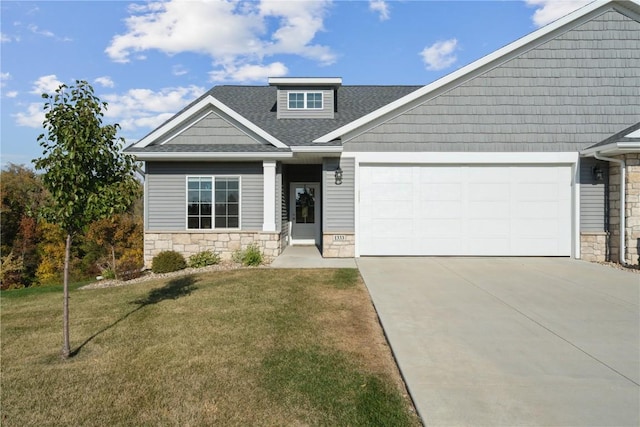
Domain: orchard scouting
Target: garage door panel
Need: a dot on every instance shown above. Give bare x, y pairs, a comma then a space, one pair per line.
465, 210
430, 209
390, 209
442, 191
489, 191
489, 209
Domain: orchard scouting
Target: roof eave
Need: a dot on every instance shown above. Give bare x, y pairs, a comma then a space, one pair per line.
316, 149
614, 149
199, 156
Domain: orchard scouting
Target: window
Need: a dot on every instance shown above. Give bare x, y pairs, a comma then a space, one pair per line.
213, 202
305, 100
227, 203
296, 101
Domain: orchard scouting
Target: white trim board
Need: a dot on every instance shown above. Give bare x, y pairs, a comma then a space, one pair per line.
465, 157
187, 115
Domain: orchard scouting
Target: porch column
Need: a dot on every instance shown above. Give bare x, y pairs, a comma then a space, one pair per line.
269, 197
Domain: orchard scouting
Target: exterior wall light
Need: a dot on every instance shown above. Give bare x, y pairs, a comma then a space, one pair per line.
338, 176
597, 173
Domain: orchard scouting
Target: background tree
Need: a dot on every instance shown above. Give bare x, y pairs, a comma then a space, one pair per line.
116, 235
85, 171
23, 194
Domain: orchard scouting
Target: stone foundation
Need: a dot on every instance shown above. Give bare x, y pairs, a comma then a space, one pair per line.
338, 245
224, 244
593, 246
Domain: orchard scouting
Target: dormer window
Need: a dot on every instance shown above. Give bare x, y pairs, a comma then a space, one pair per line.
305, 101
306, 97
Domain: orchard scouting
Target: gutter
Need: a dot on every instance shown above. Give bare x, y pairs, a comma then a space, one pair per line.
623, 181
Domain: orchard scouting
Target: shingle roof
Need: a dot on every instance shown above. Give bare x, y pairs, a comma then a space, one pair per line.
618, 137
258, 105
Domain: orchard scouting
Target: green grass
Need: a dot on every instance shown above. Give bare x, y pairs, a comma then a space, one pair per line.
245, 347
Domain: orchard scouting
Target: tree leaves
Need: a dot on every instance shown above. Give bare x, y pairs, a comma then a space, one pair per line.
84, 168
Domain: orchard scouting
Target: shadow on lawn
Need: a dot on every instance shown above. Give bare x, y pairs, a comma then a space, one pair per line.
174, 289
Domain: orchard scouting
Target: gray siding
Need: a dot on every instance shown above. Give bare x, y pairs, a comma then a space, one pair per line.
338, 200
166, 192
593, 196
328, 104
565, 94
213, 129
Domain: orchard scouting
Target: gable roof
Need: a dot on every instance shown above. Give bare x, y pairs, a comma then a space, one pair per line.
625, 141
498, 57
254, 107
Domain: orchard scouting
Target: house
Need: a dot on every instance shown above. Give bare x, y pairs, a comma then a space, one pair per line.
530, 151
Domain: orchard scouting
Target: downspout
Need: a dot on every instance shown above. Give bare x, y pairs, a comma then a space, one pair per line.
622, 209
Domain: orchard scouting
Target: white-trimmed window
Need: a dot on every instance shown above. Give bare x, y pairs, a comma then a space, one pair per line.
213, 202
305, 100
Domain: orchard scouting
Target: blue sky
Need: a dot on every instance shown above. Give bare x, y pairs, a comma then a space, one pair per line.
149, 59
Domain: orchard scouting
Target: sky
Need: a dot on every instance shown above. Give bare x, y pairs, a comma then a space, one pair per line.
148, 60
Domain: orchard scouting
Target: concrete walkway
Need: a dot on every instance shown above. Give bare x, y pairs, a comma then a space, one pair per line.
309, 257
512, 341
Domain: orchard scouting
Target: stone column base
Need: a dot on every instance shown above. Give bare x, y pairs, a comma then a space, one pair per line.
594, 246
338, 245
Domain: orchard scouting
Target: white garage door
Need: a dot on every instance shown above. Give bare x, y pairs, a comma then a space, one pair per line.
465, 210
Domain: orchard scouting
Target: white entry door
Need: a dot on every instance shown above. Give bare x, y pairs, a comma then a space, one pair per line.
304, 213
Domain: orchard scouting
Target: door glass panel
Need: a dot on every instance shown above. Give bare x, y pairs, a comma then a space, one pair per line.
305, 205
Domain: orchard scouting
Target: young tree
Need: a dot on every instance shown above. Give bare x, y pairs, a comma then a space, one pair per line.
85, 171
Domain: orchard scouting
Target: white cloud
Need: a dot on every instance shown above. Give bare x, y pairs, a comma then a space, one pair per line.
251, 31
440, 55
4, 38
3, 78
11, 94
247, 73
381, 7
33, 117
105, 81
548, 11
179, 70
35, 30
46, 84
145, 108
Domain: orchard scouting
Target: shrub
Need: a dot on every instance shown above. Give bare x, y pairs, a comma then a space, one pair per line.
108, 274
11, 272
168, 261
130, 264
250, 256
203, 259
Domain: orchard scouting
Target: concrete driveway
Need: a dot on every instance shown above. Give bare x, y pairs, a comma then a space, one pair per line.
512, 341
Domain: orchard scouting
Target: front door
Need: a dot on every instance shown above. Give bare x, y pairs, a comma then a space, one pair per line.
304, 213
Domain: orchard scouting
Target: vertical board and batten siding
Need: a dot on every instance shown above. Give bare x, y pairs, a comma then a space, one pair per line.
167, 199
328, 104
213, 130
593, 196
338, 210
569, 92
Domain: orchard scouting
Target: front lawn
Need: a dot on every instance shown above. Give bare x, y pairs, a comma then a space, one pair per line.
243, 347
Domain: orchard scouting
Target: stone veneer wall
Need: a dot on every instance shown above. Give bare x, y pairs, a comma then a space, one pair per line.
338, 245
594, 246
225, 244
632, 209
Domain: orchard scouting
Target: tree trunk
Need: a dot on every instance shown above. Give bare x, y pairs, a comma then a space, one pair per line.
66, 349
113, 261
